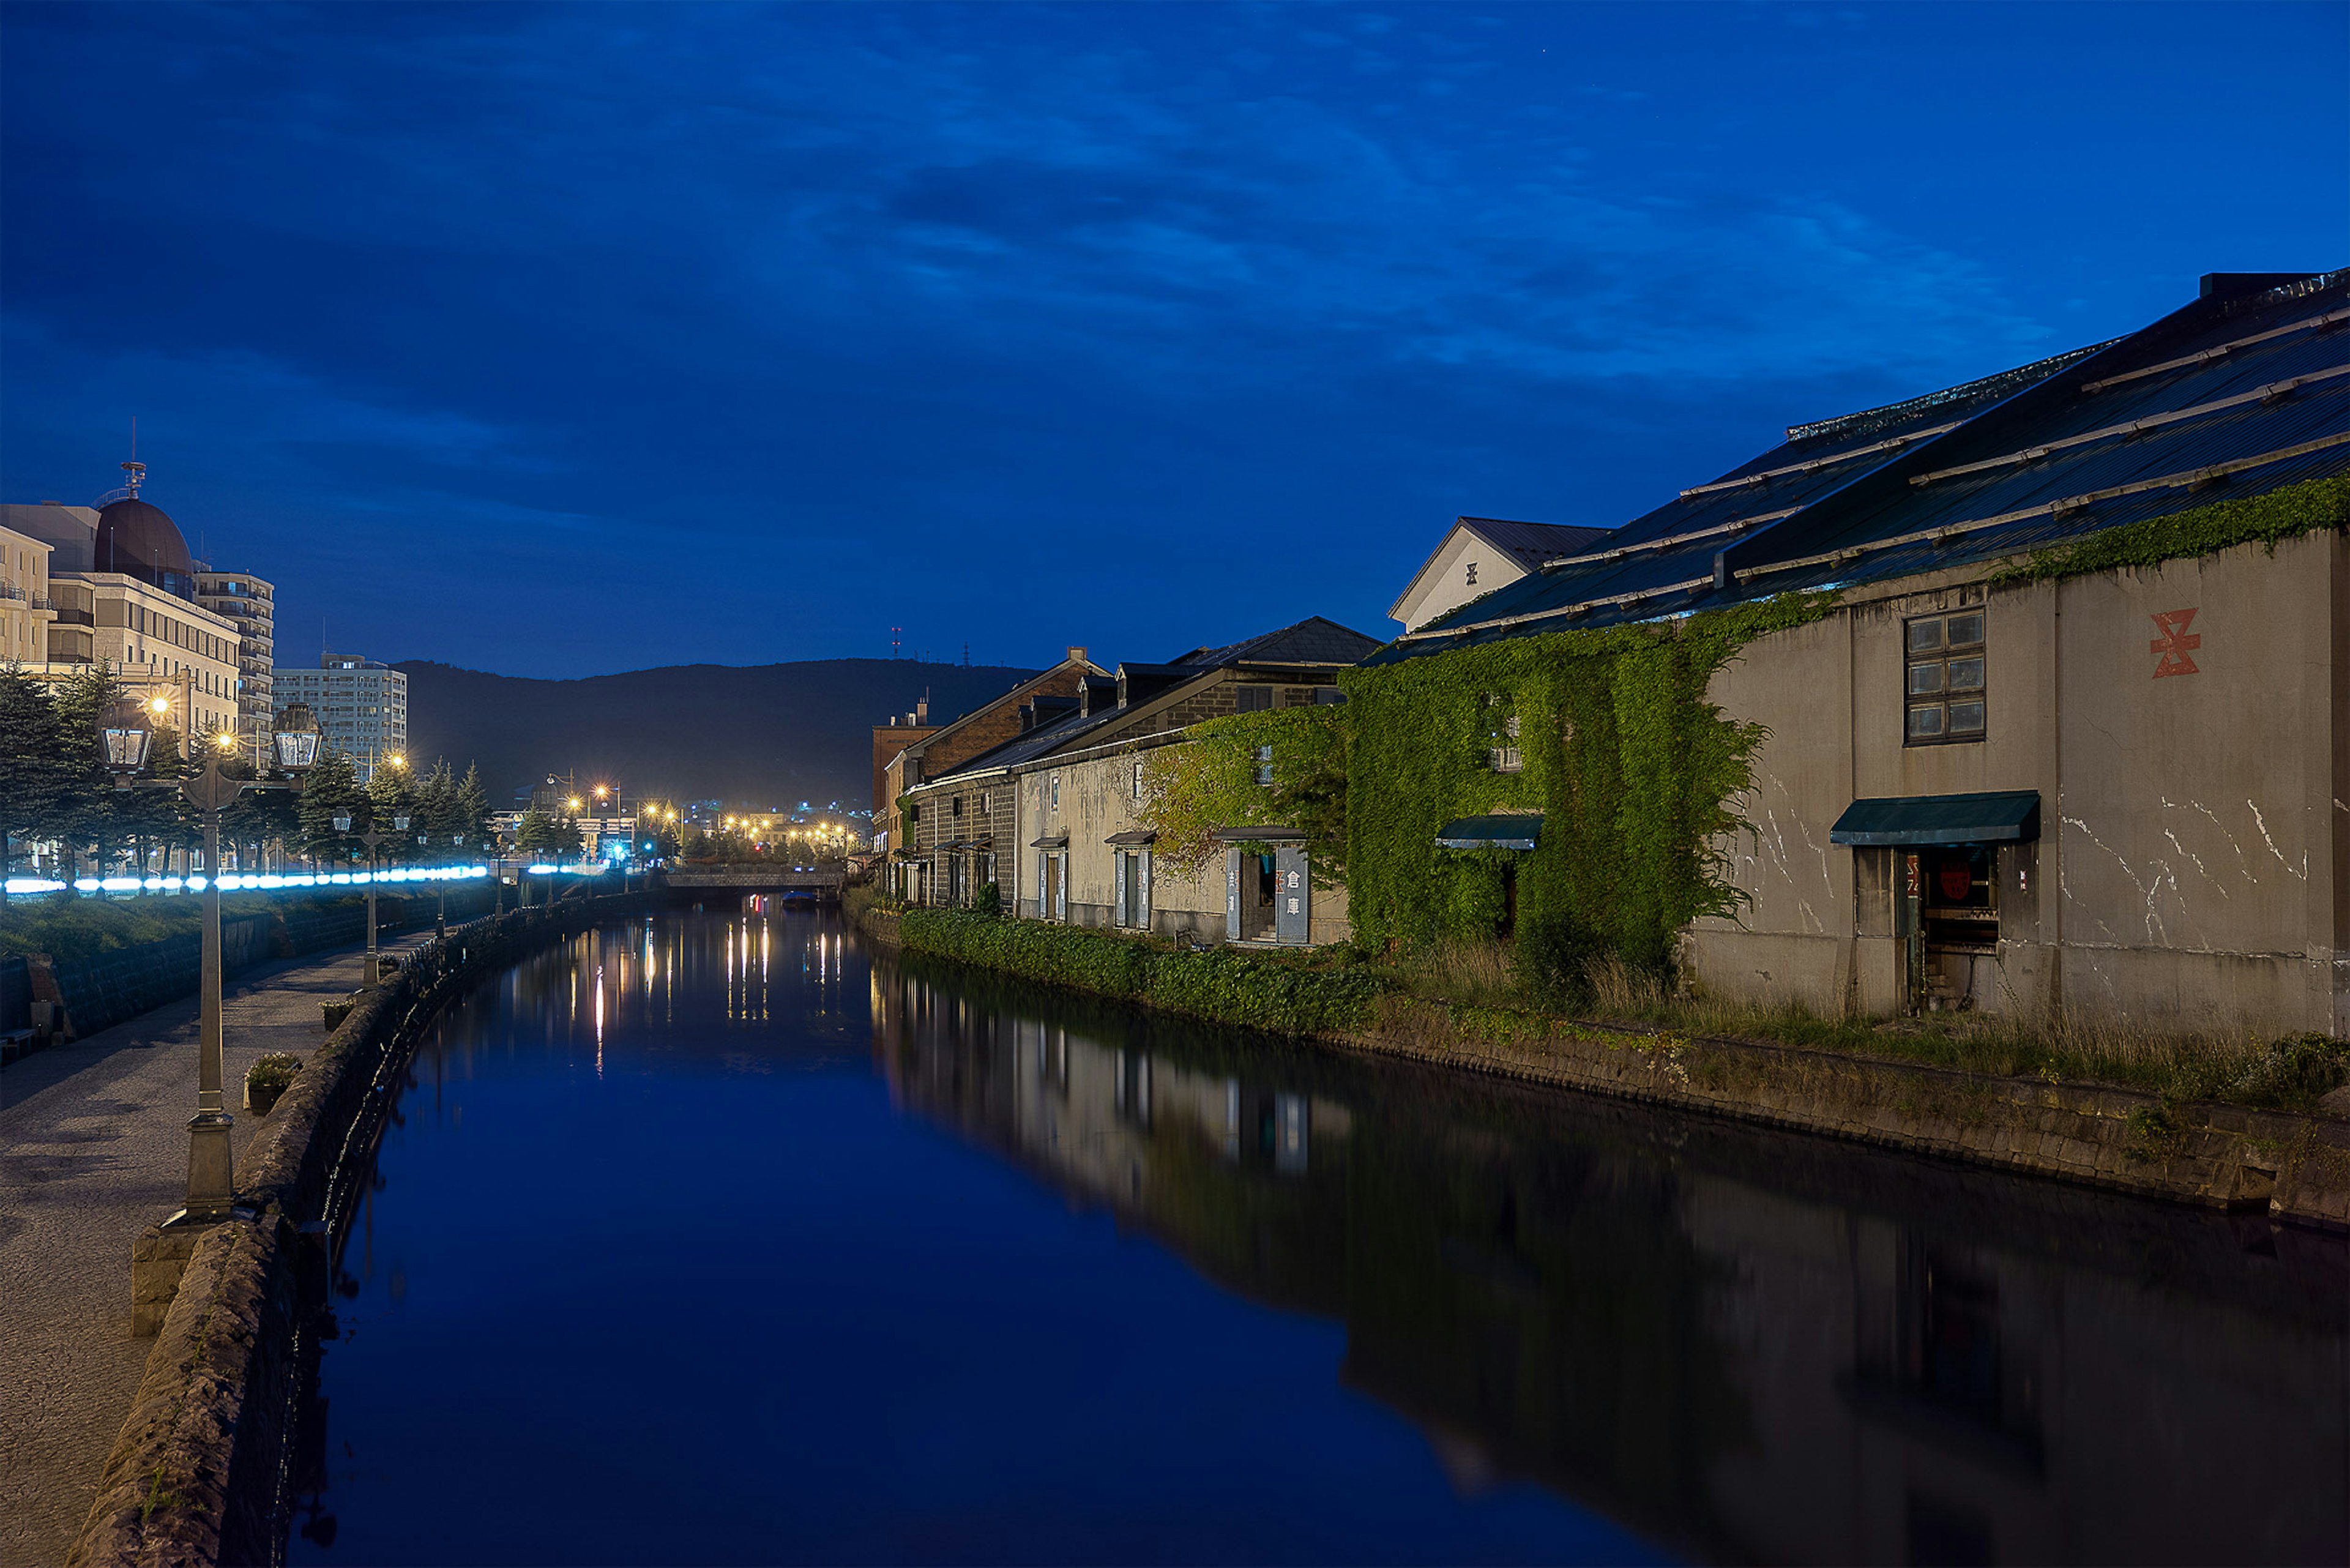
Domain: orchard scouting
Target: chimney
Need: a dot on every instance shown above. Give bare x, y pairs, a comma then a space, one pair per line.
1077, 655
922, 711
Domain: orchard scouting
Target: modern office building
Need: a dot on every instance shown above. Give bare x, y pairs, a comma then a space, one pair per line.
252, 605
122, 591
361, 706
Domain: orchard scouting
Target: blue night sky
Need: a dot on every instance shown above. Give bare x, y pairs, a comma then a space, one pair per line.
597, 338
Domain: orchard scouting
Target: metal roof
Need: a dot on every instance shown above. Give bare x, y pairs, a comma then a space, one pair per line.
2234, 395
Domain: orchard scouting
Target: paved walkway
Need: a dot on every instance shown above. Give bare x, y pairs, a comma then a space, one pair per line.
93, 1148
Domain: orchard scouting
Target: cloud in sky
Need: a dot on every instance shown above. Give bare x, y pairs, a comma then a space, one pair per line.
764, 329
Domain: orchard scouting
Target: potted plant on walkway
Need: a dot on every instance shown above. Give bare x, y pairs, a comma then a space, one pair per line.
268, 1078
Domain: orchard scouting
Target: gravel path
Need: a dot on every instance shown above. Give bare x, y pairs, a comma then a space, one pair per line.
93, 1148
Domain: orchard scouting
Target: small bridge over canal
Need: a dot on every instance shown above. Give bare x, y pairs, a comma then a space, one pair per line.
824, 881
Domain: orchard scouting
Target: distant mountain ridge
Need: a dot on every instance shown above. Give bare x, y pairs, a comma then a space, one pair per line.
762, 736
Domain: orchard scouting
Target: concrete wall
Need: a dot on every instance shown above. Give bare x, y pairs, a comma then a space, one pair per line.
2193, 868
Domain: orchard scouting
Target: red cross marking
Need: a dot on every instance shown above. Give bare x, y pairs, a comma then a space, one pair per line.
2175, 643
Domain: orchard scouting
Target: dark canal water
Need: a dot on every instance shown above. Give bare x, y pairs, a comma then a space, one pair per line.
714, 1239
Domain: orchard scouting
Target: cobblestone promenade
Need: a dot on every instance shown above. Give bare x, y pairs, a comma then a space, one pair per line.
93, 1147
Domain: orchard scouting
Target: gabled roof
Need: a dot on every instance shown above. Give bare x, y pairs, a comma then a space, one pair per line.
1026, 691
2251, 386
1313, 642
1528, 544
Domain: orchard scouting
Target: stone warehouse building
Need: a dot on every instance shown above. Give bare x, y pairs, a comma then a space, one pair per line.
1052, 816
2044, 749
908, 751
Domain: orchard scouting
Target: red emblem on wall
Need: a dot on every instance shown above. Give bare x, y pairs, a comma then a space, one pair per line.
2175, 643
1957, 879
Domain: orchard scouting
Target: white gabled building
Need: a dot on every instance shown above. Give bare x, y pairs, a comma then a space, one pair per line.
1480, 555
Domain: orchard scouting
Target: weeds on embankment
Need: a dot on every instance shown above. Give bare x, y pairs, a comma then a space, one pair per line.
2236, 1066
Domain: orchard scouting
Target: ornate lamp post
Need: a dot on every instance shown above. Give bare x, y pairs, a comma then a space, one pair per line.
124, 733
372, 838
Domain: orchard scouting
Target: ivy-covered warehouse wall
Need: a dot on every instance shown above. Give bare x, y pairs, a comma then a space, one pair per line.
2194, 864
1616, 741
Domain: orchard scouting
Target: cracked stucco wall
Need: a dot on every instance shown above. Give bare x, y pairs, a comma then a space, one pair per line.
2193, 868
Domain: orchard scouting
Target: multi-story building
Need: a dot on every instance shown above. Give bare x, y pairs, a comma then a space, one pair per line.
250, 603
122, 592
904, 754
362, 706
1055, 815
24, 612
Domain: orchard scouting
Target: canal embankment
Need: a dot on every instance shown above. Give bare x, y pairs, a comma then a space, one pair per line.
198, 1471
2291, 1165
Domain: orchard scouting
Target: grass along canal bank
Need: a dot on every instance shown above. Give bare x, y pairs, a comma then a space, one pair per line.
2260, 1127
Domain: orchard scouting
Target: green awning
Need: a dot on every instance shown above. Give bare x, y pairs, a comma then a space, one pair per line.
1999, 816
1507, 832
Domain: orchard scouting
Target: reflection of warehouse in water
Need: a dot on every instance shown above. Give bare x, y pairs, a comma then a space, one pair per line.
1746, 1343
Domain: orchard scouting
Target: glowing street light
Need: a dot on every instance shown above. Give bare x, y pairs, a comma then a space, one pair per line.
124, 733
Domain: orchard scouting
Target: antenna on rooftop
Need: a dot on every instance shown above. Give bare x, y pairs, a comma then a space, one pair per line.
135, 470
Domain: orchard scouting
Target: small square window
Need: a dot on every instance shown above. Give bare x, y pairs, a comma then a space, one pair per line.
1945, 672
1253, 698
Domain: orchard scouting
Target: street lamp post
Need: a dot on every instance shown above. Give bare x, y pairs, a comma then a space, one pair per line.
372, 838
124, 732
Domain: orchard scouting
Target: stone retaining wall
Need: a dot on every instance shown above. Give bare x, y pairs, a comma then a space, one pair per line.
2294, 1166
198, 1474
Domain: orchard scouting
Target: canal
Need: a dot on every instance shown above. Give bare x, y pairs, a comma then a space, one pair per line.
720, 1239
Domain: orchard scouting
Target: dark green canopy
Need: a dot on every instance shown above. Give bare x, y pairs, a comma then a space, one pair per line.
1999, 817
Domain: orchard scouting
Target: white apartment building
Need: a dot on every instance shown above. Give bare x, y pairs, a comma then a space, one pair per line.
252, 605
361, 706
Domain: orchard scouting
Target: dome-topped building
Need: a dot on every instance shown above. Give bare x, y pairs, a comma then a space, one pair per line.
139, 540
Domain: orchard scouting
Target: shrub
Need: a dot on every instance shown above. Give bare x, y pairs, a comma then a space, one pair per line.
989, 904
1279, 993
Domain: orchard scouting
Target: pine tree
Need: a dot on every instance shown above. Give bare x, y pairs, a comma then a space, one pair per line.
473, 808
331, 790
36, 775
86, 820
436, 812
392, 793
535, 836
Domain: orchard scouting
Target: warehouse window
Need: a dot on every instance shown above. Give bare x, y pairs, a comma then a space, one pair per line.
1945, 679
